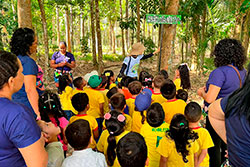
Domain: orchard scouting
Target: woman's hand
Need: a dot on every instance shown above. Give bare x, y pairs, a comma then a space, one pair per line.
201, 91
157, 51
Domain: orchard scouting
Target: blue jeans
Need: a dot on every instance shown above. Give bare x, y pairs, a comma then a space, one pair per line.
99, 122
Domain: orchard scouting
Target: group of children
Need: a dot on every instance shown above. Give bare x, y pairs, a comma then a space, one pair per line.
124, 122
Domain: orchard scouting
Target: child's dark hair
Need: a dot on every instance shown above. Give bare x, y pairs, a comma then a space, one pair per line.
78, 82
126, 80
155, 115
115, 127
158, 81
49, 104
78, 134
132, 150
181, 134
184, 76
118, 101
111, 92
80, 101
108, 74
164, 73
135, 87
104, 81
146, 79
168, 89
63, 82
182, 94
193, 112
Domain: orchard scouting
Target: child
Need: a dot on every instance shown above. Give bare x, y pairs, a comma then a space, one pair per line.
118, 103
134, 88
80, 102
65, 94
157, 96
104, 91
181, 79
126, 80
179, 147
131, 63
96, 100
79, 83
193, 114
164, 73
142, 103
111, 79
146, 79
79, 137
182, 94
153, 131
39, 81
172, 106
132, 150
115, 122
51, 111
54, 147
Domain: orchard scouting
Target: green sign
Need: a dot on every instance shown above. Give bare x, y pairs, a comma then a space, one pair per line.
163, 19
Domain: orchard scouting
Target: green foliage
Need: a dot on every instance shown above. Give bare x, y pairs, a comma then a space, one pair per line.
84, 44
208, 65
149, 44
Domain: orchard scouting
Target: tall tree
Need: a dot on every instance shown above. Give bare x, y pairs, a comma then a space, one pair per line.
45, 38
92, 16
71, 28
138, 20
67, 27
24, 13
57, 25
126, 31
123, 42
172, 7
99, 37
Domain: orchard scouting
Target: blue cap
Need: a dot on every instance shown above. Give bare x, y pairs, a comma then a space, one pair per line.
143, 100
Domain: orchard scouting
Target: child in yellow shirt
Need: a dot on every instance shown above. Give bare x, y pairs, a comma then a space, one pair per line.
182, 94
110, 79
153, 130
104, 91
79, 84
181, 79
157, 96
115, 122
96, 100
142, 103
193, 114
172, 106
80, 102
132, 150
179, 147
134, 88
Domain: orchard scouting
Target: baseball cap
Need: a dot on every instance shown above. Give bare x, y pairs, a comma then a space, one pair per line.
143, 100
88, 75
94, 81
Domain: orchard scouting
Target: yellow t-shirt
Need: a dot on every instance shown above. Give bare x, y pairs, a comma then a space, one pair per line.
65, 99
75, 91
128, 124
92, 123
158, 98
131, 105
172, 107
102, 144
136, 121
205, 141
112, 85
95, 99
152, 138
106, 100
177, 83
168, 150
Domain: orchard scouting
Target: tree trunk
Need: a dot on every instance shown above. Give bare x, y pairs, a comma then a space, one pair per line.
246, 31
67, 28
99, 38
133, 31
1, 39
57, 25
238, 22
92, 15
123, 42
187, 42
195, 41
45, 39
71, 23
82, 24
138, 20
203, 38
114, 38
13, 10
24, 13
110, 36
172, 7
126, 31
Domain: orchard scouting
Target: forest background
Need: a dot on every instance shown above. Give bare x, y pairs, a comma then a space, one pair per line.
100, 33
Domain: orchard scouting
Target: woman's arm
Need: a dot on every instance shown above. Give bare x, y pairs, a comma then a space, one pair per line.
30, 89
217, 119
35, 154
211, 94
54, 65
151, 54
71, 65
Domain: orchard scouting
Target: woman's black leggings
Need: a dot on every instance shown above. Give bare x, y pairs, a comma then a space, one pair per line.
216, 153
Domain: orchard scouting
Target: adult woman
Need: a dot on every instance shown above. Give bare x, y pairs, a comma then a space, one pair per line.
21, 142
230, 117
226, 78
62, 61
23, 44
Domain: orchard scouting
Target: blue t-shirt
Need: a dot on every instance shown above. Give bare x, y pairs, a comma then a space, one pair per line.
227, 79
29, 68
134, 65
18, 129
59, 58
238, 137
